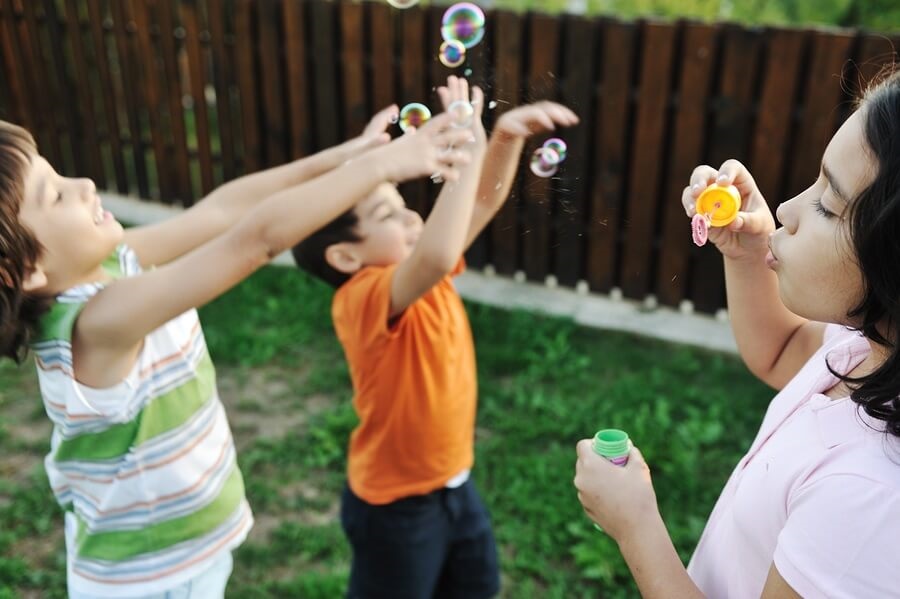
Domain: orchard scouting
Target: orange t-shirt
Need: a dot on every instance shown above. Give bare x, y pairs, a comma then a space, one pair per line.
414, 386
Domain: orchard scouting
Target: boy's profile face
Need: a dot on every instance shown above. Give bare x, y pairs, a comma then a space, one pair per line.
389, 232
66, 217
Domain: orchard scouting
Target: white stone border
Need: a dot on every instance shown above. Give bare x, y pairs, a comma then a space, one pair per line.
589, 309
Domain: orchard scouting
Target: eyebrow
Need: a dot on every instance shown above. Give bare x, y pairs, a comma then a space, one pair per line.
833, 183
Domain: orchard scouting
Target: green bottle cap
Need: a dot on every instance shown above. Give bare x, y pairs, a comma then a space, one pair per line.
611, 443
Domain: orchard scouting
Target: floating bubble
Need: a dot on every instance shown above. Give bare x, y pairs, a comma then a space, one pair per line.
413, 115
467, 72
463, 22
452, 53
544, 162
558, 145
461, 112
492, 104
402, 3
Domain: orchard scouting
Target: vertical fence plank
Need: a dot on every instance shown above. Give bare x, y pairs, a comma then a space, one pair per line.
543, 51
245, 35
123, 28
66, 87
685, 152
382, 54
771, 136
729, 138
353, 55
269, 67
47, 133
325, 68
152, 98
222, 66
508, 34
617, 57
12, 61
197, 78
85, 97
172, 79
578, 60
298, 65
113, 132
647, 157
413, 89
823, 91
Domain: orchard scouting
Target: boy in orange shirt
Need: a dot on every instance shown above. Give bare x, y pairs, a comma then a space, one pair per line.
416, 524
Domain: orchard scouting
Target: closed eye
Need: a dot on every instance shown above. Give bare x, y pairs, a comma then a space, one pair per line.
821, 209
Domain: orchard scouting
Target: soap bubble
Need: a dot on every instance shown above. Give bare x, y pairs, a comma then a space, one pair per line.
558, 145
452, 53
544, 162
402, 3
413, 115
463, 22
461, 113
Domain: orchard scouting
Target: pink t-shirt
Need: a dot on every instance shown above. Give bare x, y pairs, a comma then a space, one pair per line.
818, 493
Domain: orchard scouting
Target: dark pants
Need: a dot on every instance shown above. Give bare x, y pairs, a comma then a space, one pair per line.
435, 545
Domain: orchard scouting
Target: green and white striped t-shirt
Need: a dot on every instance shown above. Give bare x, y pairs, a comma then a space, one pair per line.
145, 469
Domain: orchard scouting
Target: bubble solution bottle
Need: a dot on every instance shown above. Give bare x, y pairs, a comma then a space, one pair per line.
614, 445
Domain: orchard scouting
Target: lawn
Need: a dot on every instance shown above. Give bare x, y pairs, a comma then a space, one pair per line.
544, 384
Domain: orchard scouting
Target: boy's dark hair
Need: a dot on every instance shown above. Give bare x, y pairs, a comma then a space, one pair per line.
874, 226
310, 253
19, 249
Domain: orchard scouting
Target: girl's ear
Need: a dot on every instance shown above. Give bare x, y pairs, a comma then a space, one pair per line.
343, 258
34, 280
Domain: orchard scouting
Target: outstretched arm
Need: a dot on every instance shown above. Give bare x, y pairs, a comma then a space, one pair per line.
226, 205
442, 240
502, 157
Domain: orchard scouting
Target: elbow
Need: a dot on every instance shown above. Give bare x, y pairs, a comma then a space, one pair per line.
438, 262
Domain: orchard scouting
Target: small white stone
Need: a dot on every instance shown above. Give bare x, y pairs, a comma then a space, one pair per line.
519, 276
551, 282
615, 294
722, 315
582, 287
489, 270
686, 307
650, 302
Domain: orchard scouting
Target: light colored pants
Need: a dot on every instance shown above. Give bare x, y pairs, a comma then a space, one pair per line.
208, 585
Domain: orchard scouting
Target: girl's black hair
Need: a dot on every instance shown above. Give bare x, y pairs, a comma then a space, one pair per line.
875, 235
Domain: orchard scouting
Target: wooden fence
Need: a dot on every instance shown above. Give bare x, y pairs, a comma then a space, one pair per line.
165, 99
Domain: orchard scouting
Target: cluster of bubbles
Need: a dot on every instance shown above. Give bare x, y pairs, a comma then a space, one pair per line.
413, 114
546, 159
462, 27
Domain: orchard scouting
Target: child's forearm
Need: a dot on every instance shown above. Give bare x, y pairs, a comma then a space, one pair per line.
234, 199
499, 169
443, 237
289, 215
762, 325
655, 564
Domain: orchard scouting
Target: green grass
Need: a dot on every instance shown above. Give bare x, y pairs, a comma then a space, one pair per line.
544, 384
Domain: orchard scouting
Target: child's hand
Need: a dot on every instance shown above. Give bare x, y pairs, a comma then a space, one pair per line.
618, 498
436, 148
376, 129
457, 89
528, 120
748, 235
